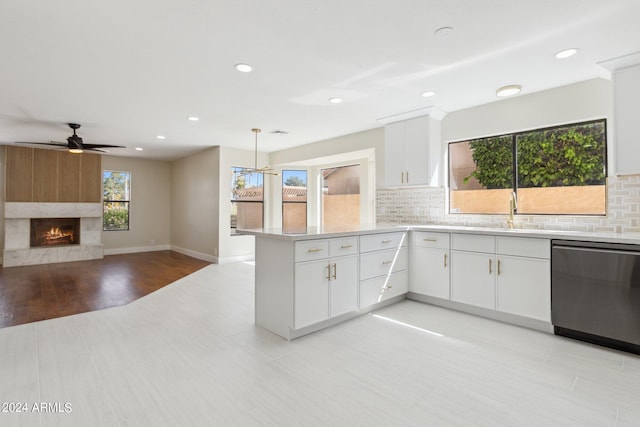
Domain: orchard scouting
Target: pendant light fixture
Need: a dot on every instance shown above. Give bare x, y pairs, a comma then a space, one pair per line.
267, 170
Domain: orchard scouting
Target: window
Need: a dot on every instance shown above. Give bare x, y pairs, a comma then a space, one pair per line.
294, 200
341, 195
557, 170
247, 196
116, 196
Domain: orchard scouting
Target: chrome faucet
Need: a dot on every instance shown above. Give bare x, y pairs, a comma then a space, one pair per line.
513, 208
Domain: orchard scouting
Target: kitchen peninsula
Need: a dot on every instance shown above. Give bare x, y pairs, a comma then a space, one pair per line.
315, 278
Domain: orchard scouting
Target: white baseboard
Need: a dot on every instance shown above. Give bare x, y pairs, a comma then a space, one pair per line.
135, 249
195, 254
239, 258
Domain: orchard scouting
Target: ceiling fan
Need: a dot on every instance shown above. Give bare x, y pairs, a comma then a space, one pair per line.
74, 143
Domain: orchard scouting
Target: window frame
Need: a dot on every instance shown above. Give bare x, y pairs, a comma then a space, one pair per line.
126, 202
306, 201
234, 170
514, 168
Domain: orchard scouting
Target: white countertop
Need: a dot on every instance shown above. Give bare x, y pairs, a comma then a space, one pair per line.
338, 231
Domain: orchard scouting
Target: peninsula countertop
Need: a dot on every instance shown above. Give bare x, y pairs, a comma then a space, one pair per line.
311, 233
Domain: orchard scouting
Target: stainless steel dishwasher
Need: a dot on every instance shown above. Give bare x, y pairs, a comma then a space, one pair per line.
595, 293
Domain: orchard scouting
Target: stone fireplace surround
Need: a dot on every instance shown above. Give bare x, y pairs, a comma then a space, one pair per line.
17, 233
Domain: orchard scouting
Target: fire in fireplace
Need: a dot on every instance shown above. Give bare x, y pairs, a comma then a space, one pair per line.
55, 231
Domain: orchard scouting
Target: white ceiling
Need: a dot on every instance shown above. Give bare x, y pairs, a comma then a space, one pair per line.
130, 70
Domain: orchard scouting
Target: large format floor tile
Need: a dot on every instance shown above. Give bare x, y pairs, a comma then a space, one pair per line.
190, 354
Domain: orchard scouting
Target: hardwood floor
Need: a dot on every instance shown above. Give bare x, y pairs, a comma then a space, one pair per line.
38, 292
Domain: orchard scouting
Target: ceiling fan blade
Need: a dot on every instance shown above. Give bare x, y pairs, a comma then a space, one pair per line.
102, 146
50, 144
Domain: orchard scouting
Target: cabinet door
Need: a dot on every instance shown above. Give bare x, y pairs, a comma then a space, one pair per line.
311, 293
524, 287
417, 147
343, 286
627, 126
394, 149
473, 278
430, 272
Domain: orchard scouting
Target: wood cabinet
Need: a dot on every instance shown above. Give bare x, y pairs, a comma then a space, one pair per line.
429, 265
507, 274
412, 147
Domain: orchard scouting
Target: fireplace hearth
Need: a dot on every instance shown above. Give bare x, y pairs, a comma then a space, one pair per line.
54, 232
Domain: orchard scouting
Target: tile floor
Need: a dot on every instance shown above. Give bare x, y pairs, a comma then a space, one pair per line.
190, 355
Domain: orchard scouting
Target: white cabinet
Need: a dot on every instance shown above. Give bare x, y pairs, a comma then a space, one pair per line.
508, 274
523, 281
429, 266
412, 147
384, 264
626, 100
325, 287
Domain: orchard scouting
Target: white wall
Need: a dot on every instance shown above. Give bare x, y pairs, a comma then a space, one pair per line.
195, 204
149, 216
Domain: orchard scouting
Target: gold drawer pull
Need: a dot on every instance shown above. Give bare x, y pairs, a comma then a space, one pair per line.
498, 267
386, 262
315, 250
430, 240
387, 241
445, 260
346, 246
490, 264
387, 287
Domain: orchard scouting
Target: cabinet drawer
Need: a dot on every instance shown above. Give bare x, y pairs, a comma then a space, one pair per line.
473, 243
308, 250
380, 263
427, 239
523, 246
343, 246
375, 242
378, 289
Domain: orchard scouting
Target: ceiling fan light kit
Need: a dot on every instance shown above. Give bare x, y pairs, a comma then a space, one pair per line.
75, 144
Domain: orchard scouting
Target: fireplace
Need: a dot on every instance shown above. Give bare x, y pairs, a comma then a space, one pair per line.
55, 232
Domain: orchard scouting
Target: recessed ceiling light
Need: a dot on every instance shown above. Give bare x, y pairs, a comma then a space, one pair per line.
139, 149
567, 53
509, 90
193, 118
161, 137
428, 94
244, 68
335, 100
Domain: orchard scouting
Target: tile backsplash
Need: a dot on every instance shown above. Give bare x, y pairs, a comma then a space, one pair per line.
428, 205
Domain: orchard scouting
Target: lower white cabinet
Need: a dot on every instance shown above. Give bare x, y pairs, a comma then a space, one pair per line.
523, 287
324, 289
508, 274
473, 278
382, 288
429, 266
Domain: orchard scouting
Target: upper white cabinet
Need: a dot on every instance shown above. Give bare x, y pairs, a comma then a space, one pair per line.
626, 100
412, 152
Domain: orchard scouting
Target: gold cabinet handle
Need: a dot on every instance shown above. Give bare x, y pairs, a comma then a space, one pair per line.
445, 260
386, 262
490, 263
346, 246
328, 272
498, 267
335, 271
315, 250
430, 240
387, 287
387, 241
407, 177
